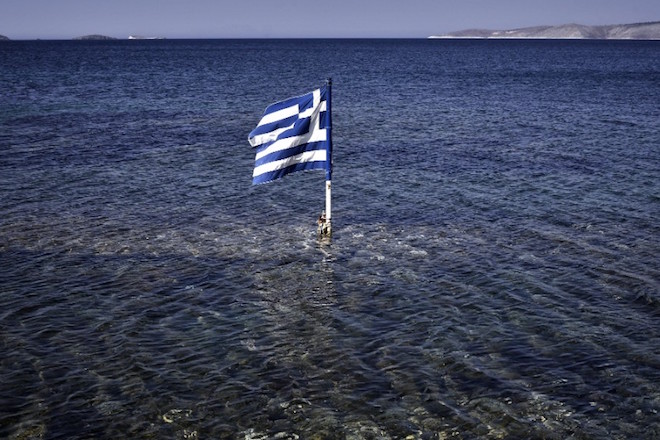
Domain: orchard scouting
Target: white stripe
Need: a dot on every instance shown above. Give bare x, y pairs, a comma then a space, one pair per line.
283, 144
315, 134
316, 100
279, 115
307, 156
271, 136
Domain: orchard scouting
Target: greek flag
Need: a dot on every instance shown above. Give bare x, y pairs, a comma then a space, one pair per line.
293, 135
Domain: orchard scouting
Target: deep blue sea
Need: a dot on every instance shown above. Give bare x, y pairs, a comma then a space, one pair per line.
494, 271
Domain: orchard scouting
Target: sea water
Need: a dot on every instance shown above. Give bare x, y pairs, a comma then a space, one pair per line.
493, 271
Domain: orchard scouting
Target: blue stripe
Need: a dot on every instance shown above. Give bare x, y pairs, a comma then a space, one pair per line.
278, 174
301, 126
304, 102
324, 118
326, 122
283, 154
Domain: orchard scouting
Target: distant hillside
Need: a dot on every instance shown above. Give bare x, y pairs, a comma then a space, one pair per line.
635, 31
2, 37
94, 37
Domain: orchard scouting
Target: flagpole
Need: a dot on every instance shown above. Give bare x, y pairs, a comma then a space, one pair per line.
328, 170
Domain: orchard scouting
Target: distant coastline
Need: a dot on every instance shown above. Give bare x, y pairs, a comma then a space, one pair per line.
634, 31
97, 37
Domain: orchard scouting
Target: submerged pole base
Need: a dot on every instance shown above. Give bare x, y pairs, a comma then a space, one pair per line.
324, 228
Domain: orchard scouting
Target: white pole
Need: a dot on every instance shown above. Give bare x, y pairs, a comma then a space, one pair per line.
328, 207
325, 227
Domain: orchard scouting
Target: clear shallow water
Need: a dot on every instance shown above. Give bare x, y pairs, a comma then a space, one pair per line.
493, 272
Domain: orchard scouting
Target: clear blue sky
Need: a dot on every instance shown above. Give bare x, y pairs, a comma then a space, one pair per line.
63, 19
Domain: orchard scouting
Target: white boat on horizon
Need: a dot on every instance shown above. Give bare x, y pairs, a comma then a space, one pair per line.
137, 37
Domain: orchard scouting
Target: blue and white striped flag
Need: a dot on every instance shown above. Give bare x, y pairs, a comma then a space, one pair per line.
293, 135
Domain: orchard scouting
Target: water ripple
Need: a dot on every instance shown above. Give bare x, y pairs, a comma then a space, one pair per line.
492, 275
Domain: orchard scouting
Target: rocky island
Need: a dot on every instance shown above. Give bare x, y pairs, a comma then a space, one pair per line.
94, 37
3, 38
635, 31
